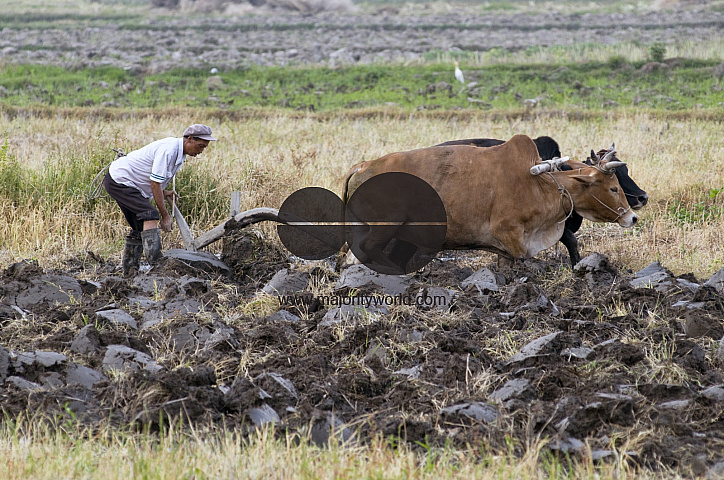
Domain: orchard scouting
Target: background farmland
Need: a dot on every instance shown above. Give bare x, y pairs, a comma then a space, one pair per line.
298, 91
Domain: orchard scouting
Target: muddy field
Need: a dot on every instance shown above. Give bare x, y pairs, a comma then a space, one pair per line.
157, 44
595, 361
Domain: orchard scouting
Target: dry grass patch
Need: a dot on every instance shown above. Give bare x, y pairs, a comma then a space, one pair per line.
39, 449
270, 157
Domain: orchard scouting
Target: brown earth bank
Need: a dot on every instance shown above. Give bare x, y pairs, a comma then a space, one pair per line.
593, 361
159, 43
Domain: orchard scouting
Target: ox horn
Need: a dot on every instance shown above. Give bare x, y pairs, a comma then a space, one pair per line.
610, 166
609, 155
594, 158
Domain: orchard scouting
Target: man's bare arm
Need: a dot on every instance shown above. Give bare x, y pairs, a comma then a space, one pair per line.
158, 197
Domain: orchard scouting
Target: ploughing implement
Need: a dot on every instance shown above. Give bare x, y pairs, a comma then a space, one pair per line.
245, 218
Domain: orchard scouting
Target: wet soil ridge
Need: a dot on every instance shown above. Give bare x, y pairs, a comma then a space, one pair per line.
153, 45
592, 361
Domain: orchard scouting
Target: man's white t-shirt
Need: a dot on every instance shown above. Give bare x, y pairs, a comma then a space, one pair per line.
158, 161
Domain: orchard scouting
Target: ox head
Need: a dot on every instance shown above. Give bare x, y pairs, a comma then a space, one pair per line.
548, 148
635, 196
597, 195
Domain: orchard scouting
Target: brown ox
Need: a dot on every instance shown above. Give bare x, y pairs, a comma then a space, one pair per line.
492, 200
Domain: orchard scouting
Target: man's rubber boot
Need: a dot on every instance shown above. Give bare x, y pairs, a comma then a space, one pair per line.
132, 252
152, 245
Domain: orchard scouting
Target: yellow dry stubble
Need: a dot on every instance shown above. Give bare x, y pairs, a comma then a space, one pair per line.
269, 156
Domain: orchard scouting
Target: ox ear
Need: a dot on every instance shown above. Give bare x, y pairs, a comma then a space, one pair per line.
586, 180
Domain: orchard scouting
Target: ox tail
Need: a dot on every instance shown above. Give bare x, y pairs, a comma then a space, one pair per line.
345, 199
345, 193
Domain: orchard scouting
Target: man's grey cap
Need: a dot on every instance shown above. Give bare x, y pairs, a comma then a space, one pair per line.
199, 131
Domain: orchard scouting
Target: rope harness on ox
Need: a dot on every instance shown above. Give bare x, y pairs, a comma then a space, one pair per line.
619, 212
564, 193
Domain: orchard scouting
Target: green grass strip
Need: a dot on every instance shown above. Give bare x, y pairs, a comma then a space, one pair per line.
681, 84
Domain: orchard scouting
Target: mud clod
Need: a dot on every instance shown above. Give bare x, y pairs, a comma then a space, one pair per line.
87, 342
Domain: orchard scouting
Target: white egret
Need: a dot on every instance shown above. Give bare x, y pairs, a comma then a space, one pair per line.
459, 74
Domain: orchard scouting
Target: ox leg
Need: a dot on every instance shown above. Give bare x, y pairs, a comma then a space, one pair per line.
505, 261
402, 252
345, 258
374, 249
369, 243
359, 236
571, 242
341, 258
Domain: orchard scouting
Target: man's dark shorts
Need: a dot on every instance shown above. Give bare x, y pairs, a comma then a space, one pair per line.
135, 207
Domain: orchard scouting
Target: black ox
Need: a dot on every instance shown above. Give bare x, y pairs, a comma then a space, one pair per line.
548, 149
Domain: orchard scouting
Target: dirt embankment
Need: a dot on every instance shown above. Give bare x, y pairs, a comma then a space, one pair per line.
595, 361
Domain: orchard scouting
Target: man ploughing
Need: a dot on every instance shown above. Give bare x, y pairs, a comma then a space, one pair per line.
134, 179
